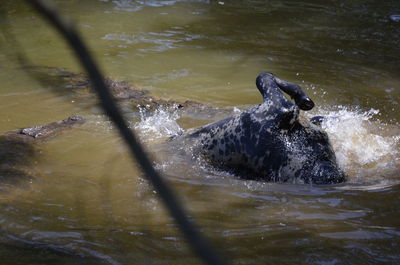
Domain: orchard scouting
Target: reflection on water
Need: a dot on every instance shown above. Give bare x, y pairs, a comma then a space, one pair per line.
85, 202
133, 6
154, 41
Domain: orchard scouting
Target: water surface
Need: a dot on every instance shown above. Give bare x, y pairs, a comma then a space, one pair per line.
86, 203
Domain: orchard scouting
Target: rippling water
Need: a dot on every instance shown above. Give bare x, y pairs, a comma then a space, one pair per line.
86, 204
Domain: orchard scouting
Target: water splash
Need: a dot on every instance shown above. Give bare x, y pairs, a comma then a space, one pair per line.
366, 148
160, 123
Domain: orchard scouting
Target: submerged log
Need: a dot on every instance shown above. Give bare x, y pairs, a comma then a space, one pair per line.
129, 96
44, 132
64, 81
18, 149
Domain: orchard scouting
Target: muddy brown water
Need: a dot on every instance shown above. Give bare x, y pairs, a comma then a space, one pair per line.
88, 204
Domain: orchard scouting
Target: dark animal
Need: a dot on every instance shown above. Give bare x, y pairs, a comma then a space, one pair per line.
269, 142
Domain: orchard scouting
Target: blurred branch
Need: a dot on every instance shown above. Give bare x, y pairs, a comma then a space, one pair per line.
196, 240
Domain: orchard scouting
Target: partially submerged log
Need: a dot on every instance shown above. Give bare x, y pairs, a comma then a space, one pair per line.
130, 96
67, 82
44, 132
18, 149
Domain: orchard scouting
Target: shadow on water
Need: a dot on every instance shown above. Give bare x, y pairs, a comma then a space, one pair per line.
16, 158
15, 250
19, 149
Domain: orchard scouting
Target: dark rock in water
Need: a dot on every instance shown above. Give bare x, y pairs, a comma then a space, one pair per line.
269, 142
18, 149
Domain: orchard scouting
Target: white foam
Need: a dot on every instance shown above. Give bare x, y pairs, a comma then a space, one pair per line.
160, 123
366, 148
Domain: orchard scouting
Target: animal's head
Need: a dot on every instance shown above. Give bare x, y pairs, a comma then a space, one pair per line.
310, 149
